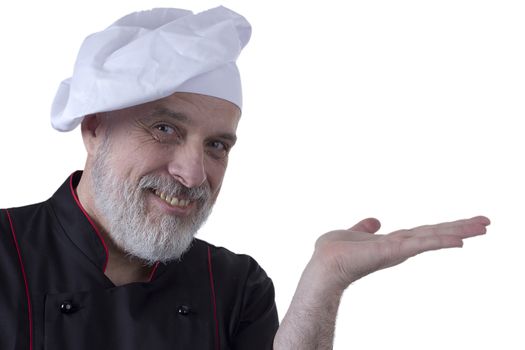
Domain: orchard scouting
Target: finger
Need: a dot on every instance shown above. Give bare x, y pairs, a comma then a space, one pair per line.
369, 225
461, 228
477, 220
417, 245
362, 231
346, 235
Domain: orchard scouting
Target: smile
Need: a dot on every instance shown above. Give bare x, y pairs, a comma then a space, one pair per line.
173, 201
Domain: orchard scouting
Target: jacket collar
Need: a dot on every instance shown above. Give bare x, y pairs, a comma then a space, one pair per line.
77, 224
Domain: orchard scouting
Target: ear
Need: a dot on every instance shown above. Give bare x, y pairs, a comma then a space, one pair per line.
92, 132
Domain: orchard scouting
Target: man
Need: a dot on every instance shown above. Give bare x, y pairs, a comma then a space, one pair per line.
110, 262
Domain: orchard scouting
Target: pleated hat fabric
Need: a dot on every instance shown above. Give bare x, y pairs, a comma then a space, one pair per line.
149, 55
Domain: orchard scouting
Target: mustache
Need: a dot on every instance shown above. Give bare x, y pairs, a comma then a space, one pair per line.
174, 188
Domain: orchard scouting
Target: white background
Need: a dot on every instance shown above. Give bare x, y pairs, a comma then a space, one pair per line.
408, 111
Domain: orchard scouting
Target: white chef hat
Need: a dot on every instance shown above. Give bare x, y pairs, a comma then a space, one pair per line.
149, 55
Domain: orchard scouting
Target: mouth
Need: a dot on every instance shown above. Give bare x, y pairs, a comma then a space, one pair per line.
172, 201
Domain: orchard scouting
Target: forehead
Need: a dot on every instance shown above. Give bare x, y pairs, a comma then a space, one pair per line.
189, 108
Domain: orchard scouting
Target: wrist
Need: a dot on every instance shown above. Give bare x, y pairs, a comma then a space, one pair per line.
319, 283
326, 275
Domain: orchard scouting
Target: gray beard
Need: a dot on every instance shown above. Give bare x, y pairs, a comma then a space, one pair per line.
152, 236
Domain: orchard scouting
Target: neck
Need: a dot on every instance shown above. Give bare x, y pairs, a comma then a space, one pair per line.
121, 268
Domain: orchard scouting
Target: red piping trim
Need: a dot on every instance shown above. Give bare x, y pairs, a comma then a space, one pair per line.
29, 310
90, 221
152, 274
214, 302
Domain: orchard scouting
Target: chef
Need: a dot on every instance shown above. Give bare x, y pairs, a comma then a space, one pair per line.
110, 260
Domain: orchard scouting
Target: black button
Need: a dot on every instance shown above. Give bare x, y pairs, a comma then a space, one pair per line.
67, 307
184, 310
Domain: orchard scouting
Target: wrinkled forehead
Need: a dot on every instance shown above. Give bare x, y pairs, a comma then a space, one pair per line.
192, 109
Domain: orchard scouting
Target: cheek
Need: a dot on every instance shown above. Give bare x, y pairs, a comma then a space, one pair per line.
134, 163
215, 174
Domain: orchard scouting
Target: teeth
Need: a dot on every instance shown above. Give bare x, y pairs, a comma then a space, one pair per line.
174, 201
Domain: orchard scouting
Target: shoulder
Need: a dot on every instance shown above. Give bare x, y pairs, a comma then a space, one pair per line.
18, 227
244, 289
225, 261
241, 276
21, 216
19, 220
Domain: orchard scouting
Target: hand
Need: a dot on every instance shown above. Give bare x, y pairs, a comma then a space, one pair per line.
341, 257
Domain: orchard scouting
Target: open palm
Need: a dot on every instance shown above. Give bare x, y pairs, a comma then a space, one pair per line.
348, 255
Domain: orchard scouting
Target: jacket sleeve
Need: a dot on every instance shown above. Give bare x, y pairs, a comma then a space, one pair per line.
247, 314
258, 320
14, 322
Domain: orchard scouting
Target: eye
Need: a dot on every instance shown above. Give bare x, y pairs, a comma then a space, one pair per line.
166, 133
218, 149
165, 128
218, 145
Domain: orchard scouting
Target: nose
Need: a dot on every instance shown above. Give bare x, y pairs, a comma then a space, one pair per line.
187, 165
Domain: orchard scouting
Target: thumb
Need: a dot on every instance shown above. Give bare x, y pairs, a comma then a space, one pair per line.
369, 225
359, 232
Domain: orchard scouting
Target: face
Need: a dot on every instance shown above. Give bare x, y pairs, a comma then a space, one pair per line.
157, 169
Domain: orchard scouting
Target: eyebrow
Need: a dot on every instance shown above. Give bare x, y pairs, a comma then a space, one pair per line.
165, 112
227, 136
183, 118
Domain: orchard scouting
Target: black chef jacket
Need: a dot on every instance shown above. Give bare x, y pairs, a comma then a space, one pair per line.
54, 294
